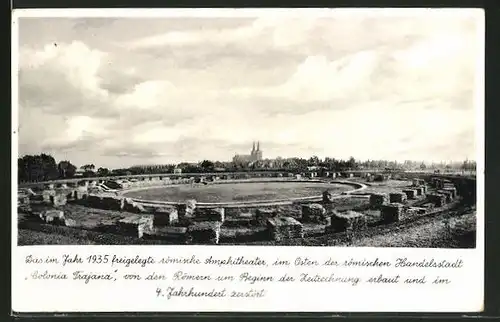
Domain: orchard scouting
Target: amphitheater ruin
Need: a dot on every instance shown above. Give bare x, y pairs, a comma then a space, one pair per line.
101, 207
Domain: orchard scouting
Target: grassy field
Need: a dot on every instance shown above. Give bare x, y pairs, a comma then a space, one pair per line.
238, 191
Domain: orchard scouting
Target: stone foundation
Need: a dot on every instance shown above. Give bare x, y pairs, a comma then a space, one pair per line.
447, 193
135, 225
410, 193
346, 221
47, 194
397, 197
52, 216
378, 199
204, 232
281, 228
437, 199
165, 216
130, 205
315, 213
186, 210
262, 215
178, 234
391, 213
452, 191
112, 203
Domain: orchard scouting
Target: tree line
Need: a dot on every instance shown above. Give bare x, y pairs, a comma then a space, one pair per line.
43, 167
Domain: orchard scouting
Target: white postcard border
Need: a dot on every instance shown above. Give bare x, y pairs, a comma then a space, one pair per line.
466, 296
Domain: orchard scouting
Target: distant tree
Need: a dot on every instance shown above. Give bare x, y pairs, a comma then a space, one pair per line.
103, 172
66, 169
88, 167
423, 166
313, 161
88, 170
207, 165
351, 164
34, 168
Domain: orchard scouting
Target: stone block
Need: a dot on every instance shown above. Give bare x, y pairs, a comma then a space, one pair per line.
205, 232
166, 233
209, 214
281, 228
79, 194
399, 197
452, 191
378, 199
135, 225
112, 203
52, 216
165, 216
391, 213
94, 200
410, 193
59, 200
262, 215
47, 196
346, 221
313, 213
437, 199
186, 210
129, 205
447, 193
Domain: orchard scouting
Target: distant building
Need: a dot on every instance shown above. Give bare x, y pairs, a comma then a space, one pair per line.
177, 171
255, 155
79, 173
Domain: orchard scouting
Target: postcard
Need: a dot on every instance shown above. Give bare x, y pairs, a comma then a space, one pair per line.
248, 160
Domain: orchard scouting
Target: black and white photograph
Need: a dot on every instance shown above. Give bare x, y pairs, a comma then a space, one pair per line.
348, 130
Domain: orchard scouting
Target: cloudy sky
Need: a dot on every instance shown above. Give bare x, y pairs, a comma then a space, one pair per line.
124, 91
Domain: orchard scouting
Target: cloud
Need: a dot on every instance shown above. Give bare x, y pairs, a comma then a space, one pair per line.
61, 78
280, 31
206, 88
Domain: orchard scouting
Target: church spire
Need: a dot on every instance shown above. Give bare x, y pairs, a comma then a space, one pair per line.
253, 148
258, 145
